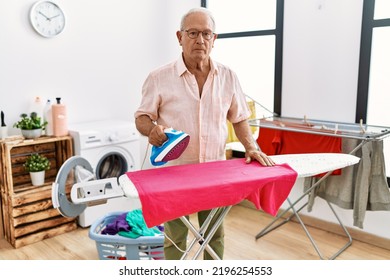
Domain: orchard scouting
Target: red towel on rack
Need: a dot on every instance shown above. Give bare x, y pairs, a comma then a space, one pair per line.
168, 193
280, 142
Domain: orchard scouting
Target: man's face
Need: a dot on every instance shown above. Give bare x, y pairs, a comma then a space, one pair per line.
197, 48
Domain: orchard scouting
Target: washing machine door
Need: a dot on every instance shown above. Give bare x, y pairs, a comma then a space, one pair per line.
65, 176
112, 164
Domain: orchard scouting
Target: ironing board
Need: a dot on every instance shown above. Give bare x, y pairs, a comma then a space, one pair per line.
267, 192
176, 191
364, 133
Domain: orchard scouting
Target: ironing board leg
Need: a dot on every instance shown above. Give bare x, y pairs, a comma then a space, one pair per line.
346, 233
349, 242
269, 227
306, 231
199, 234
212, 231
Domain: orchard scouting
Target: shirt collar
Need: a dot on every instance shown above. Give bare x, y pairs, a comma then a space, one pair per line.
181, 67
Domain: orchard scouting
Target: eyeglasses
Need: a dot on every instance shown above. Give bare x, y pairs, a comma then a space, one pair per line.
193, 34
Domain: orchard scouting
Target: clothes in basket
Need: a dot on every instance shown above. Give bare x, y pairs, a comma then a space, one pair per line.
132, 225
112, 244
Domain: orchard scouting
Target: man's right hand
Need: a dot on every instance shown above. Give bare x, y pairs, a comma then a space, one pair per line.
148, 128
157, 136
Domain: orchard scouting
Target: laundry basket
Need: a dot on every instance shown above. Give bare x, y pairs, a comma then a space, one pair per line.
116, 247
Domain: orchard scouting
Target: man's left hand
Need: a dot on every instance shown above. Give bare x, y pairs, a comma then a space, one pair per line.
260, 157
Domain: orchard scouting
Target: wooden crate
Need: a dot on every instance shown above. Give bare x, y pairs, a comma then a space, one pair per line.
1, 184
27, 211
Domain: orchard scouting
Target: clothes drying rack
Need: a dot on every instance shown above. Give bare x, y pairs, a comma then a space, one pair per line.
361, 132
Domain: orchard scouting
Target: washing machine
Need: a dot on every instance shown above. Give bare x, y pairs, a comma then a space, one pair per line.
112, 147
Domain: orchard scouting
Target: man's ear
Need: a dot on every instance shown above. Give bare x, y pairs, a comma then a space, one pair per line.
179, 35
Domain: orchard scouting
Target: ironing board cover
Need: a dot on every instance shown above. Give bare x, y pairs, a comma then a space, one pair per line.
307, 165
168, 193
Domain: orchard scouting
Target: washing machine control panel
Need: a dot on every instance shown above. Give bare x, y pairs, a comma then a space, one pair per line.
100, 138
92, 135
113, 138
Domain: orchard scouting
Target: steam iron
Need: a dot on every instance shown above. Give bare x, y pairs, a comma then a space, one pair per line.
172, 148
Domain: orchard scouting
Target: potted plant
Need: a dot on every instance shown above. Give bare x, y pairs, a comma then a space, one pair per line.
31, 126
37, 164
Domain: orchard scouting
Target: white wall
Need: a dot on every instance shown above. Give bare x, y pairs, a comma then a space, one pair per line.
97, 65
320, 74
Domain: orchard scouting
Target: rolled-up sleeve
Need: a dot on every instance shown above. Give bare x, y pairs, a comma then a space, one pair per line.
150, 99
239, 109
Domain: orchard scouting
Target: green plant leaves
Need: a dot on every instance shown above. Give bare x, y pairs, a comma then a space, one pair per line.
29, 123
36, 162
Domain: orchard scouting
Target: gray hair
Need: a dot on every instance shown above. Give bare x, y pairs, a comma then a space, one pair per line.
197, 10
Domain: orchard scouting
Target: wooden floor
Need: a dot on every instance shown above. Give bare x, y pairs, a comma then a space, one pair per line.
288, 242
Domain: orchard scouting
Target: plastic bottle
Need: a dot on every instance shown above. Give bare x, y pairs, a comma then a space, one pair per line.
48, 117
60, 121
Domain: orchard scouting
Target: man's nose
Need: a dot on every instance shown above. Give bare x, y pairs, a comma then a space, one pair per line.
200, 39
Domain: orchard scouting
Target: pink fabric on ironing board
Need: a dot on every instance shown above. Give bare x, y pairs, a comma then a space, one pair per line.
168, 193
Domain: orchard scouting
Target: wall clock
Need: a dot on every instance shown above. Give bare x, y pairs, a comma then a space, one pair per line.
47, 18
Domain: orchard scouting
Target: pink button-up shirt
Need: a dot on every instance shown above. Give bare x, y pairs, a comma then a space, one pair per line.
170, 96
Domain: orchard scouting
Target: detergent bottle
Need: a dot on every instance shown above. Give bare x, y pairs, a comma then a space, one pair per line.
60, 121
48, 117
